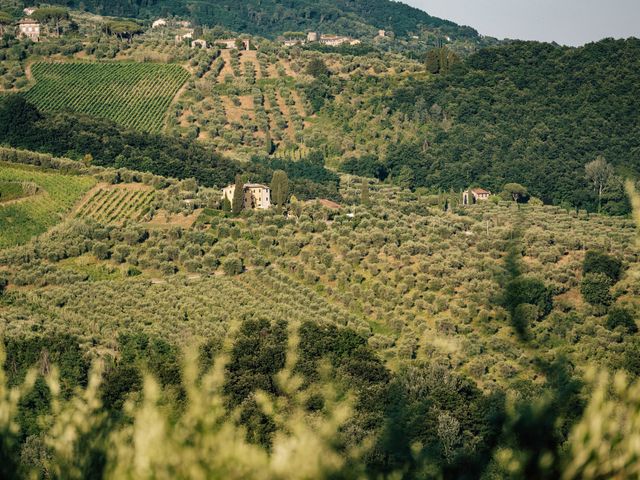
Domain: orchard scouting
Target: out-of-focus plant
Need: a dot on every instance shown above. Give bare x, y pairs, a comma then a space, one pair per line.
201, 440
606, 441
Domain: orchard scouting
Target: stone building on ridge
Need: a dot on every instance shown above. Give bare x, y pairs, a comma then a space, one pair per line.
475, 195
256, 196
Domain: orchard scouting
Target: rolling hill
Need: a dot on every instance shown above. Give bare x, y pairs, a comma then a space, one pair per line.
54, 195
368, 325
427, 316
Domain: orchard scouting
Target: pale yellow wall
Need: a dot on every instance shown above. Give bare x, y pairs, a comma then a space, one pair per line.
256, 198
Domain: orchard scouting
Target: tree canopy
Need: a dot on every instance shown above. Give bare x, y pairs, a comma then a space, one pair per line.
525, 113
272, 17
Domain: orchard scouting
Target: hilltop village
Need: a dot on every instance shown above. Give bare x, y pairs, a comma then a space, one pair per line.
36, 23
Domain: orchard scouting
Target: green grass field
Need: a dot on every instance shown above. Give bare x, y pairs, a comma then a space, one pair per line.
11, 191
135, 95
20, 221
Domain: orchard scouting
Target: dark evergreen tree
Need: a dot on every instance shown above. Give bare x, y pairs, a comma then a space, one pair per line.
238, 196
317, 68
268, 143
599, 262
280, 188
622, 317
433, 61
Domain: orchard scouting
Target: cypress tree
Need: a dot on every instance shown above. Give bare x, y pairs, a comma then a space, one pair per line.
444, 62
433, 61
268, 143
280, 188
238, 196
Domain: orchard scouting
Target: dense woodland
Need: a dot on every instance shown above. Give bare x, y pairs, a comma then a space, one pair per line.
530, 113
271, 18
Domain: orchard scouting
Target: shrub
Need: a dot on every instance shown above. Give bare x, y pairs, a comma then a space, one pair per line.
133, 271
595, 289
233, 266
621, 317
526, 290
598, 262
101, 251
524, 315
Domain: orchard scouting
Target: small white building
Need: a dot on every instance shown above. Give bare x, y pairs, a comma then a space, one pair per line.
180, 38
30, 29
29, 11
161, 22
292, 42
313, 37
256, 196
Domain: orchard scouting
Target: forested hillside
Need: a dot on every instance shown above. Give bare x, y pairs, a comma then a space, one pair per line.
532, 113
272, 17
527, 112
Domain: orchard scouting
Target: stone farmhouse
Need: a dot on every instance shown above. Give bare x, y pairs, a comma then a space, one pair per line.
475, 195
337, 40
256, 196
28, 28
231, 43
200, 44
161, 22
324, 39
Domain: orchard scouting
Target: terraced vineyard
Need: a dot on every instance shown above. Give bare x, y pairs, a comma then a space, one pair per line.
31, 216
136, 95
114, 204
